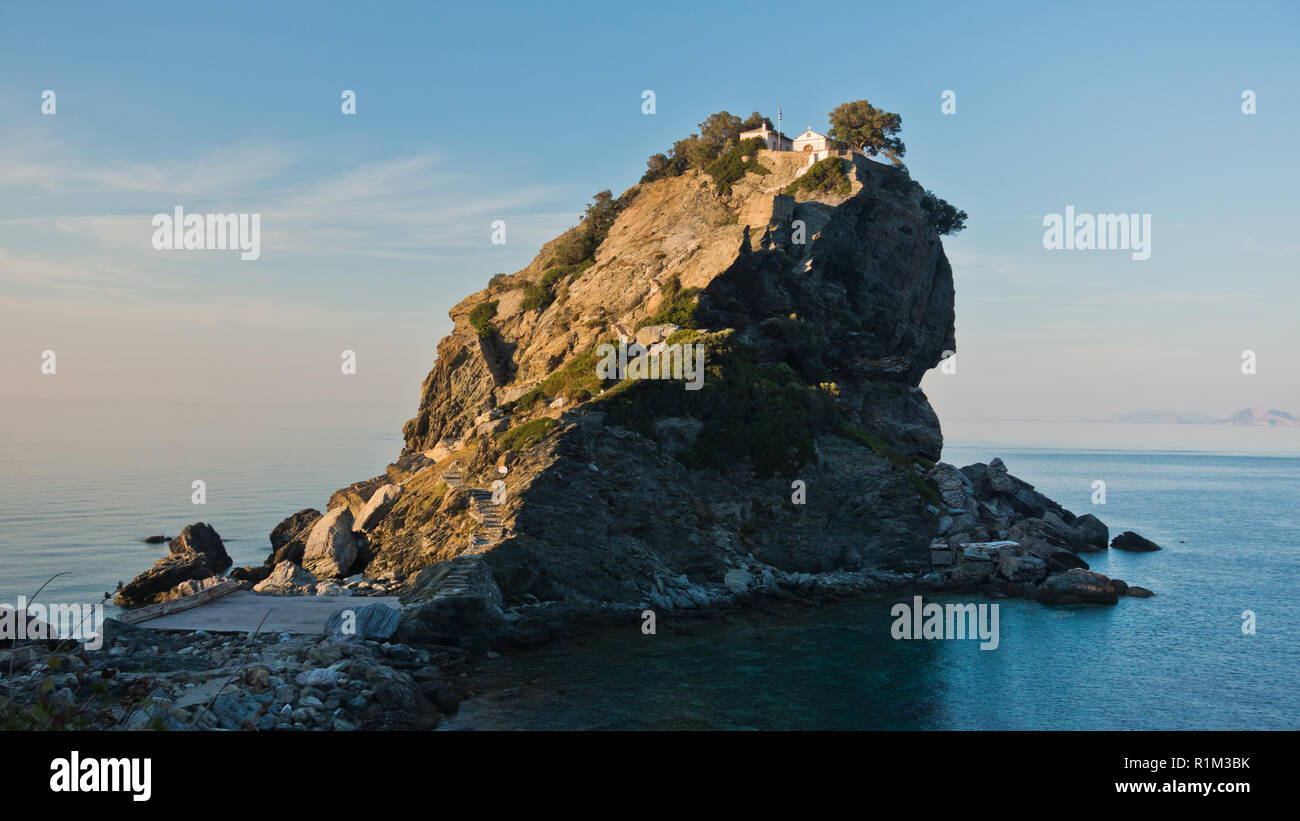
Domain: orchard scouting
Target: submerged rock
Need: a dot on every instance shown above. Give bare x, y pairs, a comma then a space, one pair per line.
1077, 587
1128, 540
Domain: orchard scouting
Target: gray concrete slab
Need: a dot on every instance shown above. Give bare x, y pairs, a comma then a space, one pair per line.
243, 610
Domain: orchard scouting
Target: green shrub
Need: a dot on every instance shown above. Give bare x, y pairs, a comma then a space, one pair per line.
824, 175
799, 346
578, 245
536, 298
731, 166
678, 306
526, 402
698, 150
555, 273
945, 217
578, 375
848, 320
763, 413
525, 435
480, 317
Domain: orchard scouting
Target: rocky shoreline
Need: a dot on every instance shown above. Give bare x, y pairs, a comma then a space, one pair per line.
143, 679
412, 671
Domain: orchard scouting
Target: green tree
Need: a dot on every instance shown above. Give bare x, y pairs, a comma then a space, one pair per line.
656, 167
720, 131
945, 217
756, 120
861, 125
601, 213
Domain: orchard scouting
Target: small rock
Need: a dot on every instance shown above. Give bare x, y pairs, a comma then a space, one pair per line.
318, 678
1128, 540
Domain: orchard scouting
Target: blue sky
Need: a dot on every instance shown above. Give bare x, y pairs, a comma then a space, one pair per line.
375, 225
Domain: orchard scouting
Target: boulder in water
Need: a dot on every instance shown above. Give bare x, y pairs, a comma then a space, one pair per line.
201, 537
1128, 540
1077, 586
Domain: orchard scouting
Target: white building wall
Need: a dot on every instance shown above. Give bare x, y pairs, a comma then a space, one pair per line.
810, 141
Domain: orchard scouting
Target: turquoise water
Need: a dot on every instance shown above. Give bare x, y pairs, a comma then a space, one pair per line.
1179, 660
84, 482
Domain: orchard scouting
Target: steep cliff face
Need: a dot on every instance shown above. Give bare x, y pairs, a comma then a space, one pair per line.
869, 284
801, 453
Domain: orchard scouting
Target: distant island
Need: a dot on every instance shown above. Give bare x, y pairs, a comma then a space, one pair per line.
1246, 416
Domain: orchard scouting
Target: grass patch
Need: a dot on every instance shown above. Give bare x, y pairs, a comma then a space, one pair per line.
824, 175
525, 435
578, 375
526, 402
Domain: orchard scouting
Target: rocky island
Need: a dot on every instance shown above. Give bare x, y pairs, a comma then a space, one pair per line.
538, 496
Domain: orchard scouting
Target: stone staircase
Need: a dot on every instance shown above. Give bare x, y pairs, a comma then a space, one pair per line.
456, 579
453, 477
455, 576
483, 509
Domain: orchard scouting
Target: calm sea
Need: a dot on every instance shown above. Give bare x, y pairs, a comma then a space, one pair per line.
84, 482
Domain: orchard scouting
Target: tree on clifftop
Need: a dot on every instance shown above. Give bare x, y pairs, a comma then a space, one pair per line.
862, 126
718, 132
943, 215
756, 120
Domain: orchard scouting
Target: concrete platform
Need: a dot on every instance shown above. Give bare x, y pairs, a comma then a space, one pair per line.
243, 610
